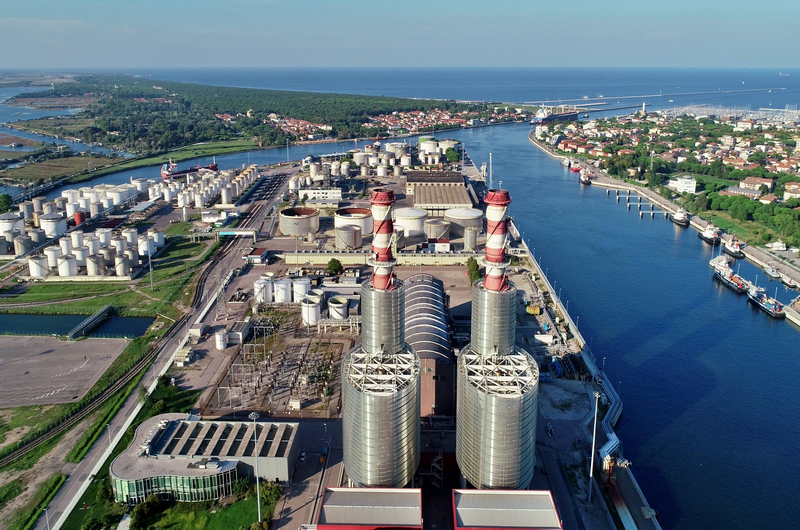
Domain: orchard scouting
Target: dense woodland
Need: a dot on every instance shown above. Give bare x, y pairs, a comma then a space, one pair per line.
184, 113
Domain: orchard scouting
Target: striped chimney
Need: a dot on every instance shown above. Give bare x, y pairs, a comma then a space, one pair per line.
382, 261
497, 202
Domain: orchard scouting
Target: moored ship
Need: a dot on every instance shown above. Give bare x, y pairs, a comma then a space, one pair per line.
170, 170
710, 235
729, 278
680, 218
733, 248
773, 273
543, 116
769, 305
584, 178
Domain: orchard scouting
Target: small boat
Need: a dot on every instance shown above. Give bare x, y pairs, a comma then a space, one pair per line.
770, 306
773, 273
565, 162
788, 281
733, 248
680, 218
778, 246
710, 235
575, 169
584, 178
729, 278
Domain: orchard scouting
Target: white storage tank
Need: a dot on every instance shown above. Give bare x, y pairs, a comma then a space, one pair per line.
299, 222
27, 210
313, 169
37, 266
398, 171
131, 235
364, 171
72, 207
158, 236
338, 307
94, 244
38, 205
344, 170
182, 202
382, 171
360, 158
335, 168
301, 286
294, 184
146, 246
361, 217
437, 229
471, 239
227, 195
37, 236
168, 195
399, 238
132, 253
348, 237
109, 254
140, 184
283, 290
67, 266
66, 245
95, 265
80, 253
77, 238
22, 245
95, 209
121, 266
310, 308
119, 243
105, 236
86, 203
461, 218
221, 339
405, 160
53, 253
53, 224
412, 220
428, 147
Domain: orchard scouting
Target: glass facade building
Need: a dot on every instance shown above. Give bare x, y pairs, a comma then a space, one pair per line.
177, 488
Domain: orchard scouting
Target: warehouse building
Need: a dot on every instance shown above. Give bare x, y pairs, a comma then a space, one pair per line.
437, 191
504, 510
179, 457
370, 509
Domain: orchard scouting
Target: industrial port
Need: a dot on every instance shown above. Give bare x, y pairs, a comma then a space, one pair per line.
339, 317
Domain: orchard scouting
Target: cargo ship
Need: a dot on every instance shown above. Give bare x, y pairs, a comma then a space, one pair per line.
170, 170
544, 116
729, 278
733, 248
680, 218
710, 235
770, 306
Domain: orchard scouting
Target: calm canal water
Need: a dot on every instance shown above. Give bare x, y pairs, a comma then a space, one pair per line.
114, 327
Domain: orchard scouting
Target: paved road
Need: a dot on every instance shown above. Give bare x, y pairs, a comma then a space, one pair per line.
232, 258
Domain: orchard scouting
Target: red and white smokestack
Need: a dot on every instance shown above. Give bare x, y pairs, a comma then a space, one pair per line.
382, 260
497, 202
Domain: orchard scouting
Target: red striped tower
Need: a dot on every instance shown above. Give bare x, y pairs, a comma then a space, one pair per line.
382, 260
497, 202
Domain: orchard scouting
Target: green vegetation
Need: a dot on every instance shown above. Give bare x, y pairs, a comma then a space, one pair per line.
25, 517
179, 229
50, 169
473, 269
452, 155
9, 492
50, 292
334, 266
101, 507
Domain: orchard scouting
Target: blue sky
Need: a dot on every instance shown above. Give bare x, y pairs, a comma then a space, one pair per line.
196, 33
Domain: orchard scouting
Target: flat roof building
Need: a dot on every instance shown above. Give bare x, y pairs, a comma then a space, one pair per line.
438, 199
504, 509
180, 457
370, 509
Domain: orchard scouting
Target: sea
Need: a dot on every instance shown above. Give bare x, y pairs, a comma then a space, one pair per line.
711, 417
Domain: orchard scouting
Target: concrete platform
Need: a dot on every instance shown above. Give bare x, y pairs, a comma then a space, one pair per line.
45, 370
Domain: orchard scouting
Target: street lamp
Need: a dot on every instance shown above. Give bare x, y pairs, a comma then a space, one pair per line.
254, 416
594, 437
604, 365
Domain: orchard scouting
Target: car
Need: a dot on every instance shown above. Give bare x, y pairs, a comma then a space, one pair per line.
302, 457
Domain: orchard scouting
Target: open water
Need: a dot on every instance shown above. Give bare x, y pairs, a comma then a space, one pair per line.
114, 327
711, 416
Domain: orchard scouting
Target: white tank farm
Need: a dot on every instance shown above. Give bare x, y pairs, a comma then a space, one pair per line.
361, 217
338, 307
121, 266
437, 229
310, 309
53, 224
131, 235
182, 203
168, 195
77, 238
22, 245
37, 266
348, 237
300, 287
221, 339
94, 244
72, 195
86, 203
66, 245
299, 222
37, 236
158, 236
105, 236
132, 253
283, 291
80, 253
53, 253
119, 243
461, 218
67, 266
412, 220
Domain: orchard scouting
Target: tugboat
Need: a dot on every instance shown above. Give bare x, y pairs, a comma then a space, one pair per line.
726, 275
788, 281
575, 168
770, 306
733, 248
584, 178
680, 218
773, 273
710, 235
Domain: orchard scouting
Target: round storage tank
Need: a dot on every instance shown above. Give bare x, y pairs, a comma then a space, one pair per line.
146, 246
461, 218
53, 253
299, 222
67, 266
81, 253
120, 244
72, 207
361, 217
405, 160
27, 210
77, 238
310, 309
301, 286
53, 224
313, 169
95, 265
471, 239
221, 340
348, 237
382, 171
338, 307
121, 266
360, 158
283, 291
105, 236
132, 253
66, 245
109, 255
158, 236
345, 169
131, 235
37, 236
428, 147
364, 171
94, 244
259, 291
227, 195
437, 229
22, 245
95, 209
37, 266
80, 217
412, 220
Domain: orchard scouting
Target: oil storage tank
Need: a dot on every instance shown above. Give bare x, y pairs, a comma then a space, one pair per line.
348, 237
471, 239
67, 265
22, 245
283, 290
299, 222
461, 218
300, 287
310, 307
412, 220
361, 217
37, 266
437, 229
95, 265
53, 253
53, 224
338, 307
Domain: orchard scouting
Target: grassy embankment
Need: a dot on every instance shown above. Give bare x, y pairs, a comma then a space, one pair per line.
24, 518
52, 169
164, 399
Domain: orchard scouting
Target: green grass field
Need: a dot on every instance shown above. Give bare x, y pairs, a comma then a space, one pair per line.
47, 292
54, 168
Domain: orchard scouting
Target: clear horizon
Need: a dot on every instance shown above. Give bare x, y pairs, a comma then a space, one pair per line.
90, 35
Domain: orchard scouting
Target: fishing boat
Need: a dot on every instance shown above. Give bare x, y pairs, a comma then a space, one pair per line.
710, 235
788, 281
770, 306
773, 273
565, 162
725, 274
733, 248
680, 218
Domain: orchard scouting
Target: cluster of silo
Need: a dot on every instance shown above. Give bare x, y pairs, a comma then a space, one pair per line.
497, 397
381, 377
431, 152
197, 190
299, 222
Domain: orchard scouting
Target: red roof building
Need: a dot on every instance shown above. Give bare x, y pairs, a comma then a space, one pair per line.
370, 509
